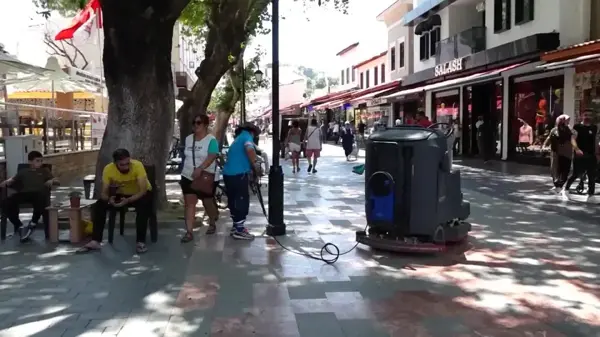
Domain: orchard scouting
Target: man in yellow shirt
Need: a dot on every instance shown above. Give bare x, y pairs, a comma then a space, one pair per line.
124, 184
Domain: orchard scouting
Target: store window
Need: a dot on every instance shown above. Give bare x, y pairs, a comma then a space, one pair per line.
446, 106
537, 103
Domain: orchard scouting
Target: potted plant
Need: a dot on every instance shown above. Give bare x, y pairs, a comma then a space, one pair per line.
75, 199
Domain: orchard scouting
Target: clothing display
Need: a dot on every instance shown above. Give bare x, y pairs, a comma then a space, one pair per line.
526, 135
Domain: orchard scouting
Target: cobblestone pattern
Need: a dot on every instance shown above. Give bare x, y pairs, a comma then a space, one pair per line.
525, 272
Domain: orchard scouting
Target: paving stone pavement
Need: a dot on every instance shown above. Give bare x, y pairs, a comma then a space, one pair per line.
526, 272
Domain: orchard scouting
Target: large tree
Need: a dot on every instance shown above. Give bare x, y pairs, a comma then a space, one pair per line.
137, 66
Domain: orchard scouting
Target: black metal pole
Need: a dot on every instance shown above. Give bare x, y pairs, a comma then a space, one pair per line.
276, 225
243, 106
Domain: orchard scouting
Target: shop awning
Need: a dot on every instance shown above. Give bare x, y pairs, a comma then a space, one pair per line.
570, 62
365, 98
486, 75
403, 93
364, 95
328, 98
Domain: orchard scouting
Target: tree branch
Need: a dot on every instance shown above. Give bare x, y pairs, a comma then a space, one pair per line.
65, 49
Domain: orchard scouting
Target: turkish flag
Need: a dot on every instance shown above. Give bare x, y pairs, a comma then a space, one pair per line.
91, 10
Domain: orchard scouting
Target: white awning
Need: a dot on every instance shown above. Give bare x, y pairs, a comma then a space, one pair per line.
570, 62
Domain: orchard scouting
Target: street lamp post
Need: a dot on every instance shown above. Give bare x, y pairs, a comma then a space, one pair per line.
276, 227
258, 75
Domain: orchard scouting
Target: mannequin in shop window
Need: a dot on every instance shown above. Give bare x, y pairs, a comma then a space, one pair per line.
525, 135
540, 116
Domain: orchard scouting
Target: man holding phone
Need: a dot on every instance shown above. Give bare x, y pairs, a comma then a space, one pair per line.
124, 184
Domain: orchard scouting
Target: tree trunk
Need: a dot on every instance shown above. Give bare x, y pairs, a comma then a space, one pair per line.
139, 79
220, 128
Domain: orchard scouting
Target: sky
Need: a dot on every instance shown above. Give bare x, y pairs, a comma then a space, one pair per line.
309, 36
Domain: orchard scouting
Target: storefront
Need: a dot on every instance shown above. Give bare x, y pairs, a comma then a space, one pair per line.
536, 101
473, 92
403, 104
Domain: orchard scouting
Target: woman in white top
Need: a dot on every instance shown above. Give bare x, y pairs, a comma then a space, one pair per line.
314, 144
201, 150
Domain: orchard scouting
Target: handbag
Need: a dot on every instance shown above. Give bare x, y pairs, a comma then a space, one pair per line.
205, 182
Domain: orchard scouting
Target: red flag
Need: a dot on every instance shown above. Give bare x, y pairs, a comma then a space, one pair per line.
87, 13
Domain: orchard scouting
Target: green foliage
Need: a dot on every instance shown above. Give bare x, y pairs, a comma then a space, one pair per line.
64, 7
226, 96
315, 80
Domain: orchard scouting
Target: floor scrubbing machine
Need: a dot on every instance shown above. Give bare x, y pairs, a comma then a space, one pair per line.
413, 196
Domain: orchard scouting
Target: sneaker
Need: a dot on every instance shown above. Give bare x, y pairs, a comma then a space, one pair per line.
26, 231
242, 234
565, 195
314, 171
309, 168
556, 190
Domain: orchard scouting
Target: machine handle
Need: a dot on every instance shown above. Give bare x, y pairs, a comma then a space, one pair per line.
449, 132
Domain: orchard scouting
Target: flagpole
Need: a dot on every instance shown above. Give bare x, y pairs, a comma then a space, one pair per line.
98, 18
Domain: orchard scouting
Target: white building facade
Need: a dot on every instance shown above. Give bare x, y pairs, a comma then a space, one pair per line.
475, 59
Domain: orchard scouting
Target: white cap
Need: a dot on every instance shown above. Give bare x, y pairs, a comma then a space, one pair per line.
398, 121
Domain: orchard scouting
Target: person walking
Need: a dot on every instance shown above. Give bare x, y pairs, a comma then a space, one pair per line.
586, 146
314, 145
199, 167
336, 132
347, 140
562, 145
294, 144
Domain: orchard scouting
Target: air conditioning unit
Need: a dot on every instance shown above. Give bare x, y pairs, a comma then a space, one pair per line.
16, 149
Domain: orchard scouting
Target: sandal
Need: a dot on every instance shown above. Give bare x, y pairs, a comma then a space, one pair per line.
141, 248
187, 237
212, 229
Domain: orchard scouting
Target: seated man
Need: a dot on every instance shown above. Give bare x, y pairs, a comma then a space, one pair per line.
124, 184
32, 185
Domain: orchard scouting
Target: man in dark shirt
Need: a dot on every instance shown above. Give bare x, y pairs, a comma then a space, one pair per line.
586, 163
32, 185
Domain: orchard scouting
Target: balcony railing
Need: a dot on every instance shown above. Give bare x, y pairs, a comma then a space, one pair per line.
462, 44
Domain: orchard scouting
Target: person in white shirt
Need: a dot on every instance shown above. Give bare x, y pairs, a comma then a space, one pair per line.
201, 150
314, 144
336, 132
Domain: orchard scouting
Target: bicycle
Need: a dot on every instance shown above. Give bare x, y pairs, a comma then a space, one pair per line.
254, 183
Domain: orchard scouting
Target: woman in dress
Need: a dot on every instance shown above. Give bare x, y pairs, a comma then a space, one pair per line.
294, 144
201, 150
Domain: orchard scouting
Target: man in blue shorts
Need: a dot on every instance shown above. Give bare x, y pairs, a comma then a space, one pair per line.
241, 163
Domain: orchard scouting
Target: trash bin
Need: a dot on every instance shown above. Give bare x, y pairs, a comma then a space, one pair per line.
410, 188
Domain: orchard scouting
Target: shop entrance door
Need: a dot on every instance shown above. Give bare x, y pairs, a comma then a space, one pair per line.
483, 108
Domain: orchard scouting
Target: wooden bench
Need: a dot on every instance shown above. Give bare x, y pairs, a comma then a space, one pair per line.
5, 194
75, 217
89, 180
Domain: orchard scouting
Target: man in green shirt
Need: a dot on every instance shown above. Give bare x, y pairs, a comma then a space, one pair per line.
32, 185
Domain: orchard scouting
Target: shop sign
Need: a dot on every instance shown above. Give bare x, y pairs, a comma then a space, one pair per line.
449, 67
84, 76
377, 101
